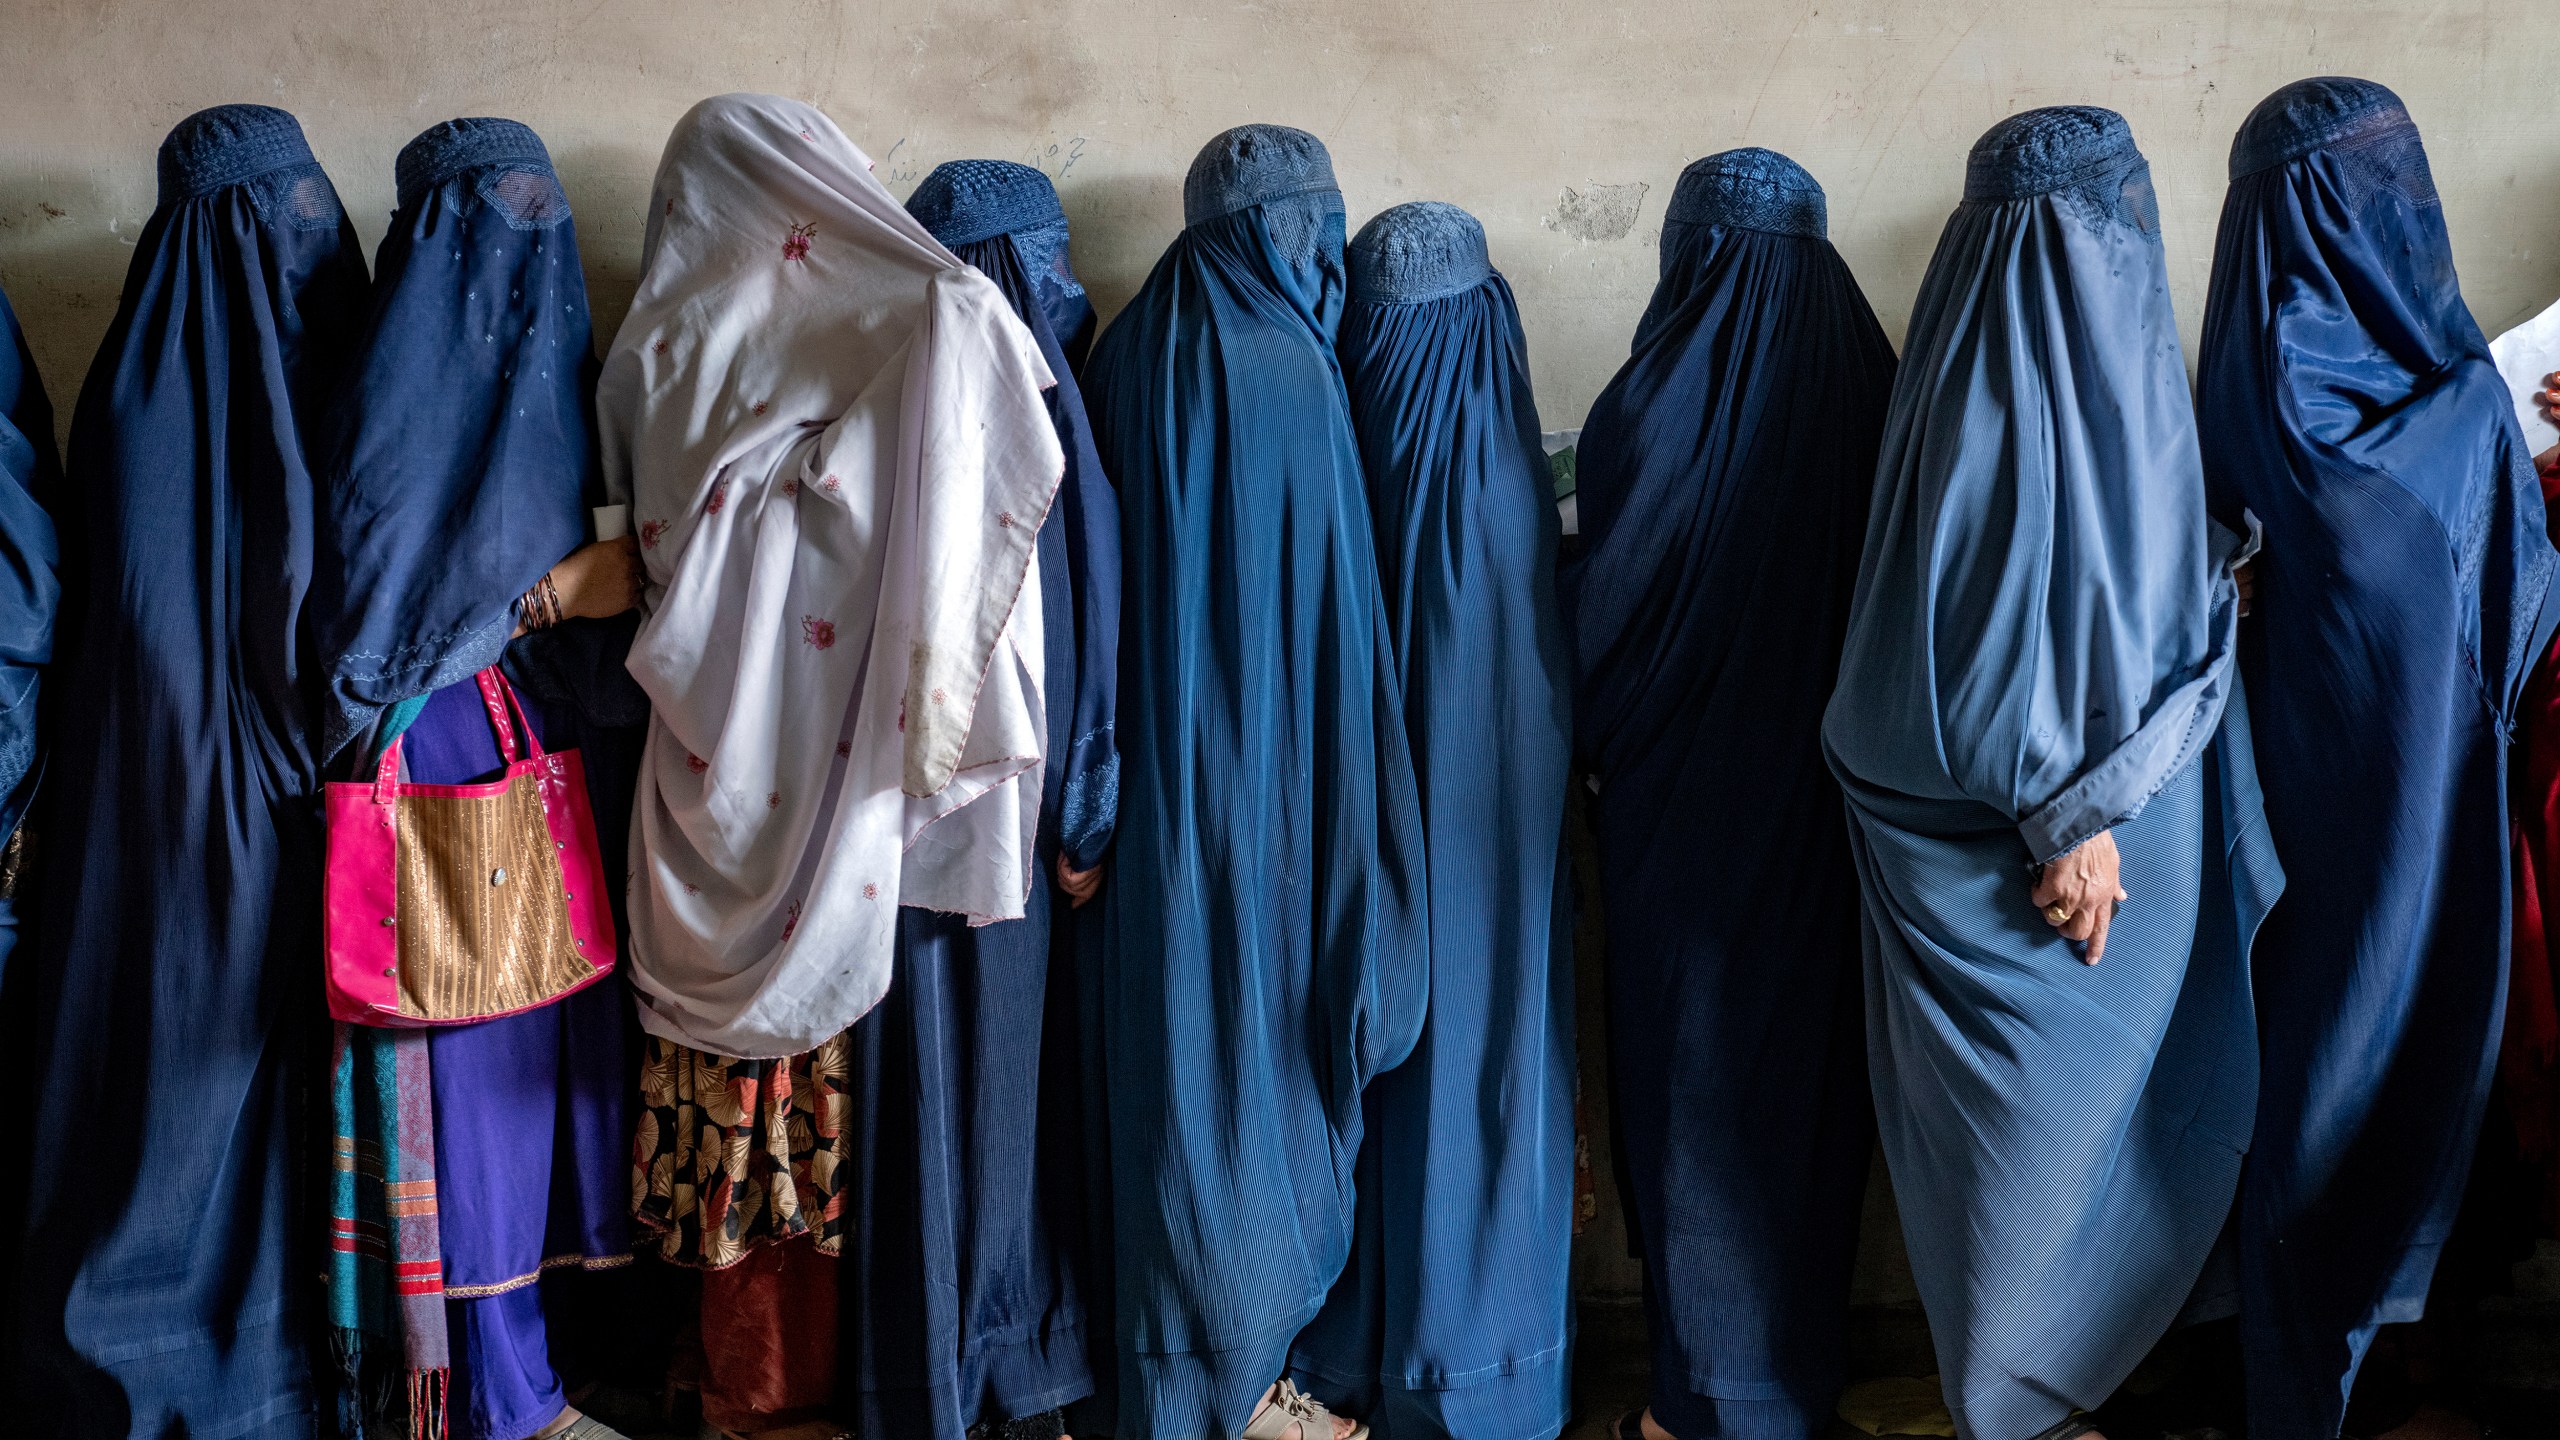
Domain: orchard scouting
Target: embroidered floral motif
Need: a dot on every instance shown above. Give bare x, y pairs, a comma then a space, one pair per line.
844, 749
797, 247
719, 499
760, 407
870, 892
938, 696
692, 889
659, 348
651, 531
831, 484
1005, 518
671, 206
821, 634
773, 799
695, 763
791, 920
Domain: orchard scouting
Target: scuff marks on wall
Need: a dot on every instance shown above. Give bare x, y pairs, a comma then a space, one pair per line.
1597, 213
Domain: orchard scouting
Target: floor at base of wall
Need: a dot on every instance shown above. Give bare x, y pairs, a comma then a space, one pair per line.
2516, 1380
2515, 1384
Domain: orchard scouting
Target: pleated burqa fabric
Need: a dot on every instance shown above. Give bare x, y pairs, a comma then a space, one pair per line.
965, 1279
1268, 948
1453, 1318
460, 470
1723, 495
172, 996
2040, 649
30, 599
2349, 402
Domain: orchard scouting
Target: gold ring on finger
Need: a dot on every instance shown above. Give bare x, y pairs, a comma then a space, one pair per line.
2058, 913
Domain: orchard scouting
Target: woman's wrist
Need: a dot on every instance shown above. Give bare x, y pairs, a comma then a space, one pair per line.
540, 608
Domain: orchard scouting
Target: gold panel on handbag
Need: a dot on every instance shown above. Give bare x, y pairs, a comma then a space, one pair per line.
447, 904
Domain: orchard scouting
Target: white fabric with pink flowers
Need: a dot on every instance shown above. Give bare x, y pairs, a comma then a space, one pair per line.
832, 438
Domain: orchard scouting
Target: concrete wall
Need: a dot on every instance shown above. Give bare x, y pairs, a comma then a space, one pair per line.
1561, 125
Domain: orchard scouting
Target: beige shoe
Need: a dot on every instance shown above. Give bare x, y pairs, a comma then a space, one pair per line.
1293, 1408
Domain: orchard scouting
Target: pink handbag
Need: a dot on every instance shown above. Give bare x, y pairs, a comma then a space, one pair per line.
446, 904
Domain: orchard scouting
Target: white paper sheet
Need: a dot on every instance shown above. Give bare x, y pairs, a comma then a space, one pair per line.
2524, 355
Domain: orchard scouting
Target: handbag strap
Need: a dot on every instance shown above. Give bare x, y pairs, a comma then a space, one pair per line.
497, 699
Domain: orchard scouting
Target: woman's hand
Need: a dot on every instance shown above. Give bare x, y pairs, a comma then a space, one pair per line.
1081, 885
599, 580
2547, 399
2078, 893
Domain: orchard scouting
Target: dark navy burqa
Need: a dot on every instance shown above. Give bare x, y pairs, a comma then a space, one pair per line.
462, 452
966, 1265
1723, 498
461, 463
172, 994
30, 596
1268, 948
2348, 401
1453, 1317
2040, 649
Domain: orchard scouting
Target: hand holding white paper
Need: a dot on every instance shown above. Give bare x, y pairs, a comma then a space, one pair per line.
2524, 356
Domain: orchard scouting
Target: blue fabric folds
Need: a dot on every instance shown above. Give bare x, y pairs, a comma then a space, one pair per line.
30, 585
1267, 944
2040, 648
2348, 401
171, 995
1723, 495
463, 452
1453, 1317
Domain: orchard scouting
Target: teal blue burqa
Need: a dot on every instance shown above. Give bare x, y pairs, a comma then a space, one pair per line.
1455, 1315
2040, 649
1267, 948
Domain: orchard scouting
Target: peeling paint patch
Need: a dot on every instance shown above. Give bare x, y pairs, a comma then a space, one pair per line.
1598, 213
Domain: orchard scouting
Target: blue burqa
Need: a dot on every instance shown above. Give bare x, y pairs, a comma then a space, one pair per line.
30, 596
459, 469
2349, 402
172, 995
966, 1267
1453, 1318
1268, 948
1723, 494
2040, 649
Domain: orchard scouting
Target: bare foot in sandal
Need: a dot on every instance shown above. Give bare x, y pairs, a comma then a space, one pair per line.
1289, 1413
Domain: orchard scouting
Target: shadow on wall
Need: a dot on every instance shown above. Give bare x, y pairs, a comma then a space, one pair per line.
1119, 215
608, 189
63, 248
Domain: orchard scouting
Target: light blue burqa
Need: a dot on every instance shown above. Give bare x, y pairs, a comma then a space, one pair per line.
2041, 649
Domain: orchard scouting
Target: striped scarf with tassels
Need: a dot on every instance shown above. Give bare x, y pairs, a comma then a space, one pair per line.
386, 1265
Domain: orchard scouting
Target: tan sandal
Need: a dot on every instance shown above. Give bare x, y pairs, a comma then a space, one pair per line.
1292, 1408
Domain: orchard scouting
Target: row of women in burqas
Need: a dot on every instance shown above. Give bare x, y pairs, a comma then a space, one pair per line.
1095, 907
856, 696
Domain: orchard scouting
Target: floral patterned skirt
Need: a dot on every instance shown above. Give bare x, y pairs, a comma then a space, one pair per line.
736, 1154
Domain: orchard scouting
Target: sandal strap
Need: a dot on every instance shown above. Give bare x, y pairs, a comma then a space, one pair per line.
1290, 1408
